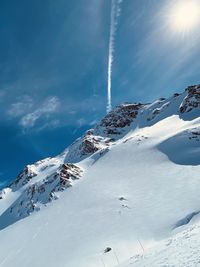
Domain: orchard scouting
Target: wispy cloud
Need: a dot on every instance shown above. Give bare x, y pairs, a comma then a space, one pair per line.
49, 106
19, 108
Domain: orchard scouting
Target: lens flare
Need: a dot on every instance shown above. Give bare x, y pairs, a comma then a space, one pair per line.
184, 16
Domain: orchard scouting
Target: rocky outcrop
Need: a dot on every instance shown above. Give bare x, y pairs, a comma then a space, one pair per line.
192, 100
90, 144
23, 178
69, 172
43, 192
120, 118
87, 145
102, 136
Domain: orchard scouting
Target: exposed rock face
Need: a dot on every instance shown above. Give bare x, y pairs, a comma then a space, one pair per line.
99, 138
192, 100
23, 178
44, 191
119, 118
87, 145
69, 172
90, 144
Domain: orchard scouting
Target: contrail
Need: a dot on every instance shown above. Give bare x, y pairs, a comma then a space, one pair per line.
115, 13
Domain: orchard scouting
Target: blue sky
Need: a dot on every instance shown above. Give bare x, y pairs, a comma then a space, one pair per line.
53, 69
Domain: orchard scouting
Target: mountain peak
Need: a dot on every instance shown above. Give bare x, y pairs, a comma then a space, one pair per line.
131, 172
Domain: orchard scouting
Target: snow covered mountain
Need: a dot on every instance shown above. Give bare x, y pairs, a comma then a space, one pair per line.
126, 193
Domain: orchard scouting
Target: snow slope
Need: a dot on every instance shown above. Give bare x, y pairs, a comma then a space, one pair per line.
179, 250
120, 191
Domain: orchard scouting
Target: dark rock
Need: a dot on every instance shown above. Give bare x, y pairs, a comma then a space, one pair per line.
192, 100
108, 249
122, 198
119, 118
176, 94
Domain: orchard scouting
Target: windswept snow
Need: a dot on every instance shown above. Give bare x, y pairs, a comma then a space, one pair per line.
180, 250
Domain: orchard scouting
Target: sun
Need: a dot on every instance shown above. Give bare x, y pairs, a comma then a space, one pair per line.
184, 15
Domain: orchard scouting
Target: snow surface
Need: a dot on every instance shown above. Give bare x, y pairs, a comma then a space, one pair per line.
179, 250
129, 199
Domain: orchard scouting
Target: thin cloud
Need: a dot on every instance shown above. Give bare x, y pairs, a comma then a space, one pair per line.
48, 107
19, 108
